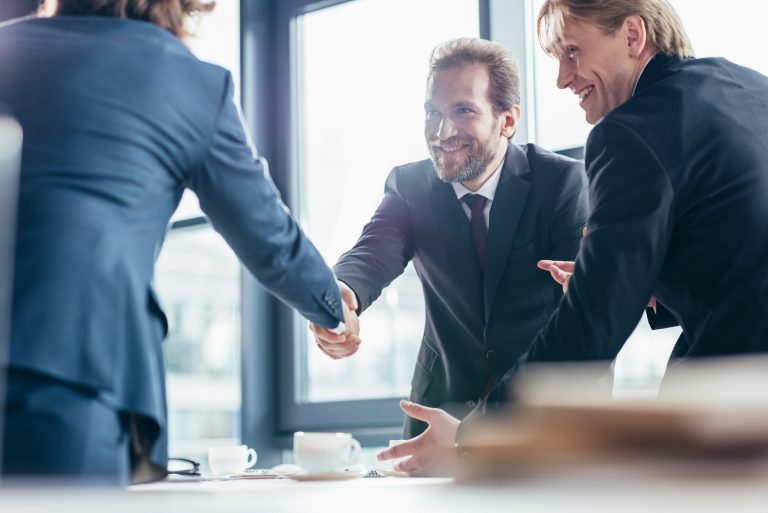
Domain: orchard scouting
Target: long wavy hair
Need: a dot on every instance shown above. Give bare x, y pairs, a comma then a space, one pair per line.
171, 15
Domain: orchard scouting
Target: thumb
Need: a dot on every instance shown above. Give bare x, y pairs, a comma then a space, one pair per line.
418, 411
348, 296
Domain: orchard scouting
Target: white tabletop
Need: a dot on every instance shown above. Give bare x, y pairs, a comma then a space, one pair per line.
593, 490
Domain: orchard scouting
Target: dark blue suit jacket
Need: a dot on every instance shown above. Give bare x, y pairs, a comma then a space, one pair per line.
119, 118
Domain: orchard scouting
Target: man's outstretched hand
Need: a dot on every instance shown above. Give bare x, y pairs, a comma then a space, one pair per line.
431, 453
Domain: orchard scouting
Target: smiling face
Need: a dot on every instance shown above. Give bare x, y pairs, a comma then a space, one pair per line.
602, 69
466, 139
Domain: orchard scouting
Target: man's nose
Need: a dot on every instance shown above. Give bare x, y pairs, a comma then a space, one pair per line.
446, 129
565, 73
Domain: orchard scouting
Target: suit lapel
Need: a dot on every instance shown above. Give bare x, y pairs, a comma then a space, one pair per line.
506, 211
454, 229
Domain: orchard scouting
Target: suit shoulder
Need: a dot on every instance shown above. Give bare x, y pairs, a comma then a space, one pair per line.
545, 159
549, 166
412, 174
415, 169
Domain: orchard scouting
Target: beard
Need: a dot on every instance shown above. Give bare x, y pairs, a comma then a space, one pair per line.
450, 169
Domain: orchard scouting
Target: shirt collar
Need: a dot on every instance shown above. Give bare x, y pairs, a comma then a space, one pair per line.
488, 189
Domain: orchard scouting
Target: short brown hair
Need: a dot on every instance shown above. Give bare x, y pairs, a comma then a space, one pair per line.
168, 14
665, 30
504, 90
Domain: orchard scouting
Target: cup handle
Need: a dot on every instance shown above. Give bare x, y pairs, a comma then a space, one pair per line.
354, 452
252, 457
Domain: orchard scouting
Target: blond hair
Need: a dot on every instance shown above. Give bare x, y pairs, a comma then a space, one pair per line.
664, 29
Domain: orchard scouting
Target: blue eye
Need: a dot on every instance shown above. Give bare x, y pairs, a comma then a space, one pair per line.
431, 113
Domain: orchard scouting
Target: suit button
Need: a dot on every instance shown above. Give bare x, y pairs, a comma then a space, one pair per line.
471, 403
490, 354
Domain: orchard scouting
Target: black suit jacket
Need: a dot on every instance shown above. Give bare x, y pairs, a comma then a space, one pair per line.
679, 209
476, 326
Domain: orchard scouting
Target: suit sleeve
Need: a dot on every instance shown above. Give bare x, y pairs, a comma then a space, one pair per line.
621, 255
620, 259
383, 250
571, 208
237, 194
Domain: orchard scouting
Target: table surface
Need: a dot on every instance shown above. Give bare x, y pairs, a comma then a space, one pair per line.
592, 490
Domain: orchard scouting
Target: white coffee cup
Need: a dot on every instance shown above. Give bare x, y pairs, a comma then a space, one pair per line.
230, 459
318, 453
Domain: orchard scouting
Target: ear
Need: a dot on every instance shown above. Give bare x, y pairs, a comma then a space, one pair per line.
635, 33
509, 121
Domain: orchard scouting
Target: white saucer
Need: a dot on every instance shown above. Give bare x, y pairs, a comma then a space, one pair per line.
299, 474
325, 476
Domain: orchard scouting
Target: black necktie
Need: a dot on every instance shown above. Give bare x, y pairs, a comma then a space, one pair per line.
476, 204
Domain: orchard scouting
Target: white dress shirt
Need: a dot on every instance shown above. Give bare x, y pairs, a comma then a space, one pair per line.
488, 190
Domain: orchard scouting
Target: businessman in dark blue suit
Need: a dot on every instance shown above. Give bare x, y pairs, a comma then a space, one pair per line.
119, 118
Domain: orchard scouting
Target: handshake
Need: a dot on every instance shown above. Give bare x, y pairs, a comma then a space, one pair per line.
339, 346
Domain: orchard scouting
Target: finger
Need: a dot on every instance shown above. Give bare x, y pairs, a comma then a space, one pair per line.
584, 232
558, 275
348, 296
400, 450
340, 351
544, 264
325, 352
418, 411
565, 265
415, 466
329, 336
407, 466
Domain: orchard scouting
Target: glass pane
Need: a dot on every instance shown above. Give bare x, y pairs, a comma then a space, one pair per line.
736, 32
360, 114
216, 40
198, 281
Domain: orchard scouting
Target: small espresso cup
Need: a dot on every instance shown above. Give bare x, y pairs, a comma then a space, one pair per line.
318, 453
230, 459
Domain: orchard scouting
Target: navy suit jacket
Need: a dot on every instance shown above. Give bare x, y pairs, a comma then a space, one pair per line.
678, 181
476, 325
119, 118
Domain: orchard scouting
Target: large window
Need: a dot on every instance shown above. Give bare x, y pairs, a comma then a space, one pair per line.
198, 281
362, 76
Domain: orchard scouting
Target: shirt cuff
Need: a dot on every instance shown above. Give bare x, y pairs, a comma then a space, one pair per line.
339, 329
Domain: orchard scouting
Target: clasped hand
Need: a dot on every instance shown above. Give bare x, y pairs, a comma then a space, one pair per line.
339, 346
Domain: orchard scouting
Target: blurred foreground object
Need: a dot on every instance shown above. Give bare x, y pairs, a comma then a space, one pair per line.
708, 411
10, 153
